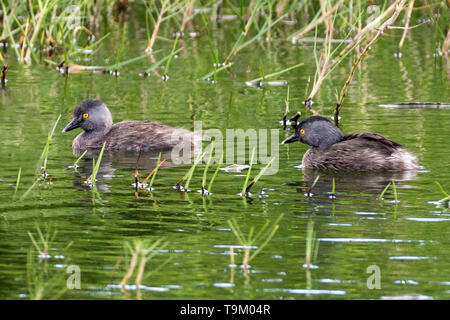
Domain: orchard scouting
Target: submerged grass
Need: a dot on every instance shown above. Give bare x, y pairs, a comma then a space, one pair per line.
142, 251
260, 239
312, 246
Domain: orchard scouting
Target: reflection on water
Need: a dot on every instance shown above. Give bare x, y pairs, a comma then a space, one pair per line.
367, 182
407, 239
417, 105
113, 160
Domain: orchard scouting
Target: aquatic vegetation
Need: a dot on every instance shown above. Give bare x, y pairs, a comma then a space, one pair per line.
154, 172
308, 192
205, 191
142, 251
446, 200
17, 183
75, 164
249, 186
91, 180
394, 190
144, 184
247, 177
46, 241
211, 181
333, 189
399, 4
188, 176
252, 240
169, 59
260, 81
41, 167
380, 196
312, 246
41, 283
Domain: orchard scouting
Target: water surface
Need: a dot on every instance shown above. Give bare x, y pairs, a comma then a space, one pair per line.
408, 240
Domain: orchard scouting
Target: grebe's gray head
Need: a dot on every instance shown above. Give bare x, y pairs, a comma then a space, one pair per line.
92, 116
317, 132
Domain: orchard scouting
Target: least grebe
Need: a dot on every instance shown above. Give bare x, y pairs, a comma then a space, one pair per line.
365, 151
94, 117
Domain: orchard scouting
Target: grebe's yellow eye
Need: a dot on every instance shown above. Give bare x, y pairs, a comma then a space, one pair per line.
85, 115
302, 131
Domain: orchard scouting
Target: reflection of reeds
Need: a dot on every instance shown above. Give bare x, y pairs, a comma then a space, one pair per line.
42, 285
45, 241
142, 251
263, 236
312, 245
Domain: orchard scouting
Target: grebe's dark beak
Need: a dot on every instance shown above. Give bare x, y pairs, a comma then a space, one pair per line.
295, 137
75, 123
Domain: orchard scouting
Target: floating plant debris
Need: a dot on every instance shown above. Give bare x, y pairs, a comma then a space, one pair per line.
416, 105
235, 168
266, 83
320, 40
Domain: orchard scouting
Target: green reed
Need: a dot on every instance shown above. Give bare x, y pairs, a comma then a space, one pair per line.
96, 166
155, 171
380, 196
258, 176
219, 164
274, 74
41, 166
17, 183
244, 187
308, 191
75, 164
171, 55
188, 176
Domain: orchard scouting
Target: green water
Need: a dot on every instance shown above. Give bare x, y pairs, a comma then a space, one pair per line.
408, 240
